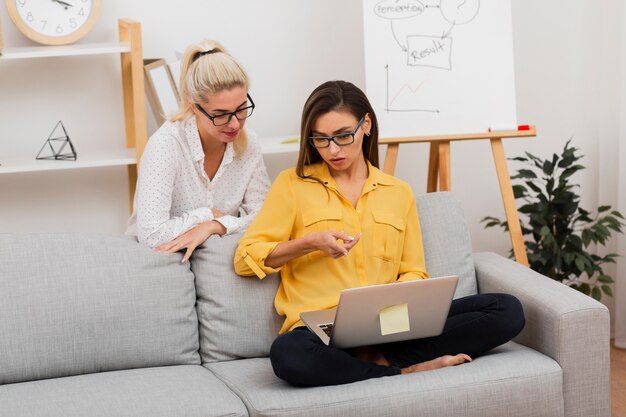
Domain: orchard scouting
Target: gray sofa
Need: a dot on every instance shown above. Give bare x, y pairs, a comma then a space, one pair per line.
103, 326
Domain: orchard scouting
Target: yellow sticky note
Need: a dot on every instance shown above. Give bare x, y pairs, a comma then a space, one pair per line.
290, 140
394, 319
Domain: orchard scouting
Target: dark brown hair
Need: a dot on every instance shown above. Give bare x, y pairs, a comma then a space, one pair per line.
335, 96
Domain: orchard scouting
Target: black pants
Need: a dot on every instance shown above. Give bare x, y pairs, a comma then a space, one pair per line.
475, 325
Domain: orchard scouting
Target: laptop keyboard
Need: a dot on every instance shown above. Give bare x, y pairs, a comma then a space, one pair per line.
327, 328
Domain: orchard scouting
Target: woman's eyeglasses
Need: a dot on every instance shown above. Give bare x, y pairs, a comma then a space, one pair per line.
342, 139
225, 118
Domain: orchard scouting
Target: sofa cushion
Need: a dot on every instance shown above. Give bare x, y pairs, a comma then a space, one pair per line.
76, 304
447, 244
181, 391
236, 314
512, 380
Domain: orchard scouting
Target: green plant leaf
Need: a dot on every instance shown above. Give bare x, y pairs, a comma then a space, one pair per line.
607, 290
519, 191
603, 208
550, 186
492, 224
575, 241
605, 279
610, 258
566, 161
528, 208
596, 293
580, 263
533, 187
531, 156
571, 171
611, 222
524, 173
617, 214
568, 258
586, 237
548, 167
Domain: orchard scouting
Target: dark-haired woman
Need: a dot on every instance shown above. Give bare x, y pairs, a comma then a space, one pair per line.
336, 221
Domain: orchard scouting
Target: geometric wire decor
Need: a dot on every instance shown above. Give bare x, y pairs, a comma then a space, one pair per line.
56, 146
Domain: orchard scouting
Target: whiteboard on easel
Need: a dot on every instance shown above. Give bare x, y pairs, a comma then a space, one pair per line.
439, 66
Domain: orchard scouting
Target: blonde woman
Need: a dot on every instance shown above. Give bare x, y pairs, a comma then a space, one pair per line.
201, 173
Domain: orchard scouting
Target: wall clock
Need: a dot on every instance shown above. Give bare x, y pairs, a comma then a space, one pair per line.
54, 22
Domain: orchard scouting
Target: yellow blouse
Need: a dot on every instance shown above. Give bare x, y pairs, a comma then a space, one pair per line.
390, 248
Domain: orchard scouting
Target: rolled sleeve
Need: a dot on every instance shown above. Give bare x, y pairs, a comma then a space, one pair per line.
250, 260
272, 226
232, 224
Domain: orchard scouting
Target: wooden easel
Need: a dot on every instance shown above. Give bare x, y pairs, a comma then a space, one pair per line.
439, 169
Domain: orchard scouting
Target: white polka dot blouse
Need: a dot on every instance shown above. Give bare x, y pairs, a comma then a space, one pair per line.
174, 193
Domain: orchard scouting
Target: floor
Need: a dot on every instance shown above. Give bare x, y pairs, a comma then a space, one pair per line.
618, 382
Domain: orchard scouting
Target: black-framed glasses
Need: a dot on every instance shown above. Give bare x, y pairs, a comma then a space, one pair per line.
225, 118
342, 139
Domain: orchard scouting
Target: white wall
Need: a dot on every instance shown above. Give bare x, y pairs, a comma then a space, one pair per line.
620, 287
566, 68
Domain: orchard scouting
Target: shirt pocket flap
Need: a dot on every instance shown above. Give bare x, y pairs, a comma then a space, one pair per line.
313, 216
389, 218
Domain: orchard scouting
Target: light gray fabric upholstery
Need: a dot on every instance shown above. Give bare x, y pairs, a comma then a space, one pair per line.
510, 381
447, 244
562, 323
75, 304
174, 391
237, 315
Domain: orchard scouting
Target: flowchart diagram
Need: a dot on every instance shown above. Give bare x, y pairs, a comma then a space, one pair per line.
422, 49
435, 59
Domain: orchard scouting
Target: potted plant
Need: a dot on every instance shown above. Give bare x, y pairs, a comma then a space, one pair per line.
557, 230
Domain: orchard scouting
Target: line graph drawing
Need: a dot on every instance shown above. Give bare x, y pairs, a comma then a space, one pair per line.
406, 87
403, 88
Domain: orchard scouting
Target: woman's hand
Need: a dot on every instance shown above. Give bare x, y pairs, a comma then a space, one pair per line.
192, 238
328, 242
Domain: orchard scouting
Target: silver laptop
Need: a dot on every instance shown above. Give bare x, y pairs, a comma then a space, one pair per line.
385, 313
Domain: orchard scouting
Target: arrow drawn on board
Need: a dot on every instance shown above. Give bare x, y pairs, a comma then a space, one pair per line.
447, 33
396, 38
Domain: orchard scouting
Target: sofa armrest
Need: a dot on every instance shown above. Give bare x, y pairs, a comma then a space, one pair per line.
562, 323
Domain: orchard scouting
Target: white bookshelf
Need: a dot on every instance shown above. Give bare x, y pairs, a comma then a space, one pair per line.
129, 51
19, 164
66, 50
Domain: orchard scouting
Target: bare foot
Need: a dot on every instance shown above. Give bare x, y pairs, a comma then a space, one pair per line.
440, 362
